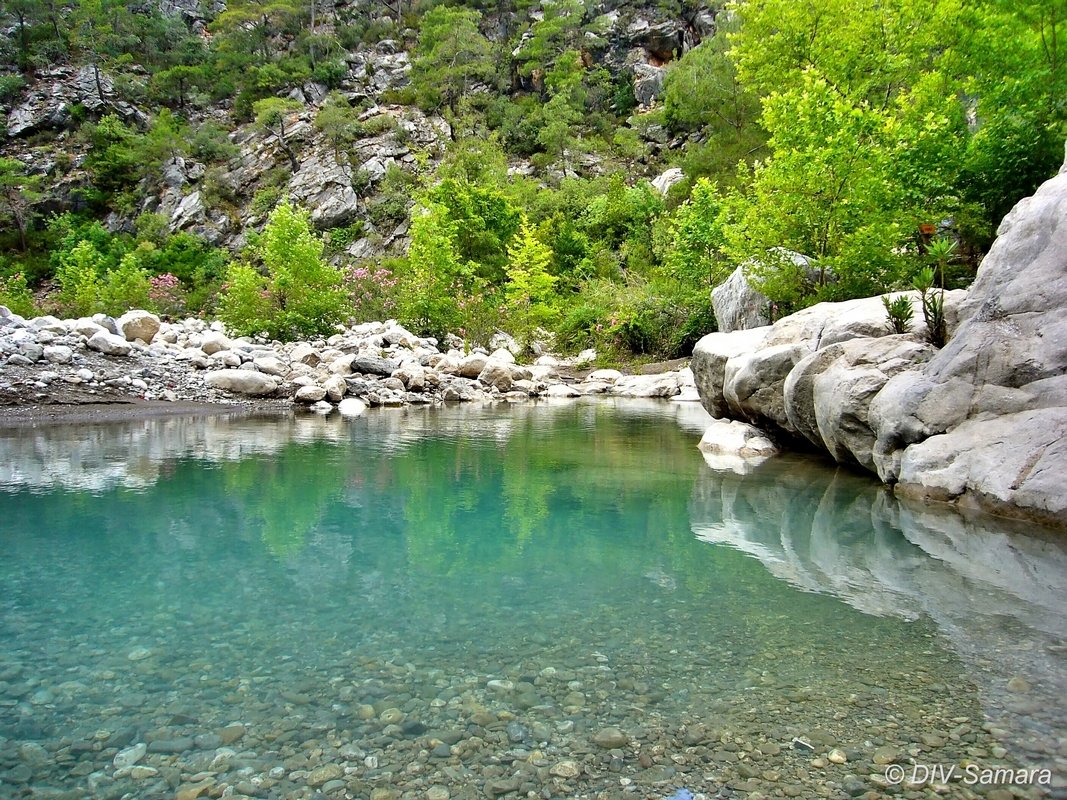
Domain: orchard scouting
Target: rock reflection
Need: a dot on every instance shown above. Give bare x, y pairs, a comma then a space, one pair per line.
996, 589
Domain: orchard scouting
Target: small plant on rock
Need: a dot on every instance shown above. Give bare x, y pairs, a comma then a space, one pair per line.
899, 312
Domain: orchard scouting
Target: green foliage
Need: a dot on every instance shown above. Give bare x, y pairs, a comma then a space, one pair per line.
483, 220
126, 287
19, 192
452, 56
435, 278
528, 292
899, 312
10, 86
696, 239
246, 305
933, 303
16, 295
79, 280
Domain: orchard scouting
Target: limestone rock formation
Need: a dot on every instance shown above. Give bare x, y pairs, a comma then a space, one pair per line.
983, 421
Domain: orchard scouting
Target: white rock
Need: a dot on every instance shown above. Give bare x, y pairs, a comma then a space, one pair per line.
609, 375
351, 407
109, 344
214, 342
138, 324
242, 381
310, 394
130, 756
271, 365
335, 387
561, 390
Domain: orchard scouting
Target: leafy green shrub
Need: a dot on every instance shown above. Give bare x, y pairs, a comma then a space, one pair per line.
245, 305
10, 86
79, 282
15, 294
126, 287
898, 312
529, 289
301, 294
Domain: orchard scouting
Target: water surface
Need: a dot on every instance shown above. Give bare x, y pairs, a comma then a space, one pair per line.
462, 600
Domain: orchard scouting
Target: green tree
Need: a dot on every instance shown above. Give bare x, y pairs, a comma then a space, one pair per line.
299, 294
272, 114
695, 251
78, 277
529, 289
451, 57
436, 277
126, 287
19, 192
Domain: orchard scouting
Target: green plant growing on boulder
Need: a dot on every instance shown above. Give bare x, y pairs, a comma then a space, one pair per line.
940, 252
899, 312
933, 305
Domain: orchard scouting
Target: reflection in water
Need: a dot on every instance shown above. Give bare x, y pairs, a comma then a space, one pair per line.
996, 589
413, 555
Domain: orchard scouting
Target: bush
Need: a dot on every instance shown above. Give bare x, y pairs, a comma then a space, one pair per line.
301, 295
78, 277
126, 287
15, 294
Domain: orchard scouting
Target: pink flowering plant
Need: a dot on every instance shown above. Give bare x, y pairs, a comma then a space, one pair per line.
167, 295
372, 291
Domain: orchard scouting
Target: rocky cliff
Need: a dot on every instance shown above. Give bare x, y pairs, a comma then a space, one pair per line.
980, 422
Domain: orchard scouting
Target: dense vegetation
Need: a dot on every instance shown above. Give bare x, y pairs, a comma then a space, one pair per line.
847, 130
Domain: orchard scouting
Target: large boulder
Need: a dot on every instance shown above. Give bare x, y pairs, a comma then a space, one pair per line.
109, 344
984, 420
738, 305
981, 421
138, 324
242, 381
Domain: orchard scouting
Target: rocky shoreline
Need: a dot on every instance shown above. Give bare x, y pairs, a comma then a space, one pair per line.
981, 422
138, 364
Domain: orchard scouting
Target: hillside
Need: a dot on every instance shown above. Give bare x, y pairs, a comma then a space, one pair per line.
592, 170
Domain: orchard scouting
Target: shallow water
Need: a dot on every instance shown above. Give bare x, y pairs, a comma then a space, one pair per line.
463, 599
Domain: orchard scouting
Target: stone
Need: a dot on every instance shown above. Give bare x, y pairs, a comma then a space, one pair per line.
232, 733
565, 769
828, 394
335, 387
138, 324
351, 407
561, 390
109, 344
171, 746
309, 394
372, 365
320, 775
304, 353
271, 365
139, 654
195, 790
664, 385
648, 83
836, 756
496, 374
130, 756
885, 755
242, 381
738, 305
215, 342
734, 438
663, 182
610, 738
472, 365
58, 354
86, 327
498, 786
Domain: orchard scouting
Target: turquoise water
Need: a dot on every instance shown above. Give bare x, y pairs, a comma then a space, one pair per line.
544, 601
